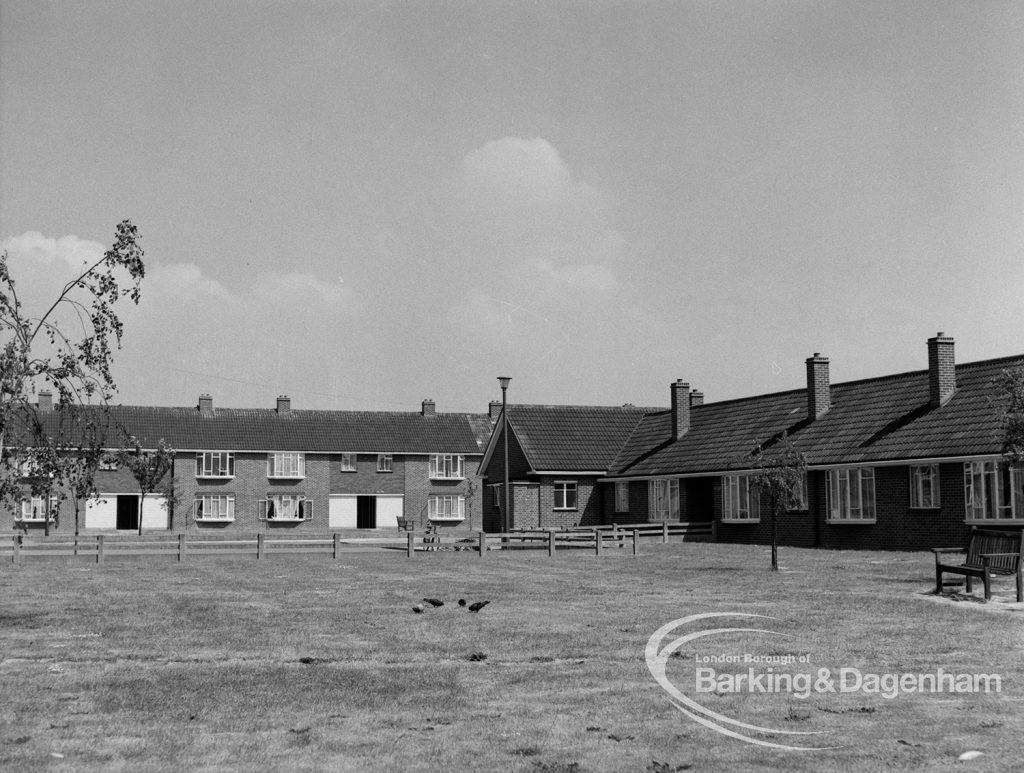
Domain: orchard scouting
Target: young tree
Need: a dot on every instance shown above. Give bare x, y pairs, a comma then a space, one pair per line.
152, 470
68, 348
1010, 387
780, 470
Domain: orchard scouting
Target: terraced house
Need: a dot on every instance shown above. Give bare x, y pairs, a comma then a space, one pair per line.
908, 461
253, 470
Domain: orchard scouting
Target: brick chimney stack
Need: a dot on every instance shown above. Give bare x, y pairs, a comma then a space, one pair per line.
428, 407
284, 404
819, 398
941, 370
680, 409
45, 401
494, 409
696, 398
205, 403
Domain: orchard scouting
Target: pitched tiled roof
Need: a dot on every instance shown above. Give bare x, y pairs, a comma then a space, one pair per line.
572, 438
873, 420
238, 429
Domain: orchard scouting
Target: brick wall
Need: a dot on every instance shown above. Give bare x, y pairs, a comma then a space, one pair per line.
588, 503
419, 487
492, 496
896, 526
250, 485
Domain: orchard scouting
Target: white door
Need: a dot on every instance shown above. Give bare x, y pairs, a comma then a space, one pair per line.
154, 512
101, 513
389, 510
341, 512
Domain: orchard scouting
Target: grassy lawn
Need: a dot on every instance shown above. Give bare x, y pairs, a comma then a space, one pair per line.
300, 663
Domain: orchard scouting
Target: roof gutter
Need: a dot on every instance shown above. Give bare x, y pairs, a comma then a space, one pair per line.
836, 466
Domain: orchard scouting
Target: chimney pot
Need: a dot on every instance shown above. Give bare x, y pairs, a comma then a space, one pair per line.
680, 409
941, 370
284, 404
819, 397
428, 407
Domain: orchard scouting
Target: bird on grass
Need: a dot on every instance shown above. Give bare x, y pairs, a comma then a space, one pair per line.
478, 605
434, 602
418, 609
462, 602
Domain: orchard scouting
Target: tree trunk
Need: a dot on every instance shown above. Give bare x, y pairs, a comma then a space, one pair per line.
775, 543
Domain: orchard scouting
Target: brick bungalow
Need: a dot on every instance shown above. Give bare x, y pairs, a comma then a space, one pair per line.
557, 454
252, 470
903, 462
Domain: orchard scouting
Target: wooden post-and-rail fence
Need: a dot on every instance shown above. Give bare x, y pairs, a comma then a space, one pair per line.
596, 540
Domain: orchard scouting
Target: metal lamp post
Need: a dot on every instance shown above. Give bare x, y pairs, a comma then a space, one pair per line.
503, 380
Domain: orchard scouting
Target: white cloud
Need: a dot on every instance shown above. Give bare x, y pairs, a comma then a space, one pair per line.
269, 284
512, 172
33, 248
191, 332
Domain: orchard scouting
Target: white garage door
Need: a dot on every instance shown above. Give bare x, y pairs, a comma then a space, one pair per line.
101, 513
341, 512
389, 510
154, 512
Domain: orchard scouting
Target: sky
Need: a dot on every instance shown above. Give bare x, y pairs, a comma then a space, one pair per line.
363, 205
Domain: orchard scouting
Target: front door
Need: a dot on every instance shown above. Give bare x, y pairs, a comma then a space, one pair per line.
366, 512
128, 512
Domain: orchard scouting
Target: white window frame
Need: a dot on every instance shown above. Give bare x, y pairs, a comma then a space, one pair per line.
622, 496
348, 462
30, 506
108, 463
446, 507
203, 508
987, 485
741, 501
447, 466
297, 505
385, 463
851, 495
560, 491
205, 464
286, 464
924, 486
664, 499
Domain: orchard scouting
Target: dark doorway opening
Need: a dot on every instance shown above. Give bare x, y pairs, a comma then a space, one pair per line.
128, 511
700, 499
366, 512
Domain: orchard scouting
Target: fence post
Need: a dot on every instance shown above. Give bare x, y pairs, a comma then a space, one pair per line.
99, 548
598, 542
551, 542
337, 542
181, 548
259, 546
664, 532
482, 541
410, 544
714, 531
636, 541
17, 548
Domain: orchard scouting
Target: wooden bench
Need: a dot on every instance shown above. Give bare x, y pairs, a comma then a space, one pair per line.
988, 552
